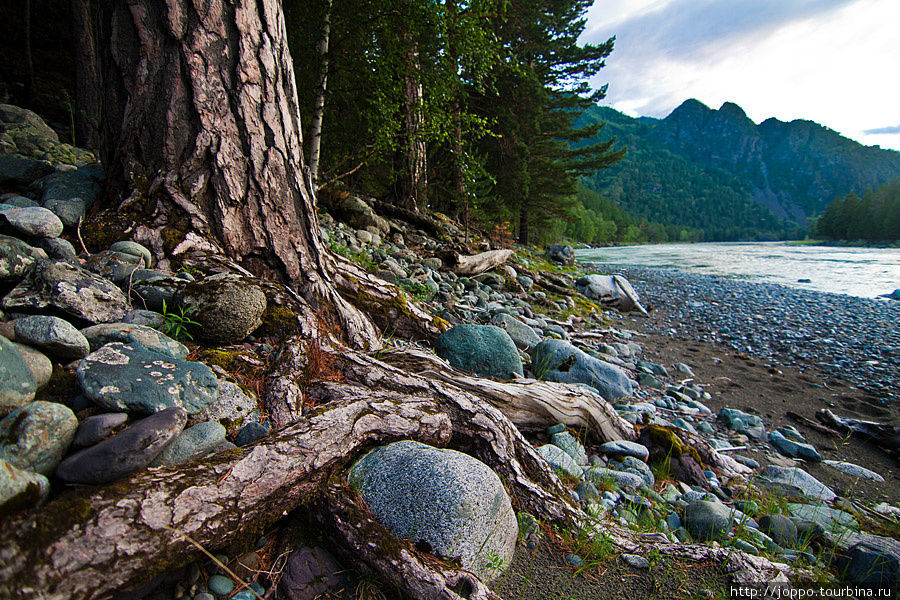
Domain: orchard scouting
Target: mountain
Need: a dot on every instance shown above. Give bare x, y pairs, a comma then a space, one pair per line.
719, 172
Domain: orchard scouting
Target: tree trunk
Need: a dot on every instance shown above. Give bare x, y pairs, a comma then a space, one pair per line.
414, 185
202, 143
29, 63
315, 127
87, 79
523, 226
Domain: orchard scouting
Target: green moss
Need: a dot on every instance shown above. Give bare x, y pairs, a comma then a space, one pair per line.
221, 358
667, 440
278, 321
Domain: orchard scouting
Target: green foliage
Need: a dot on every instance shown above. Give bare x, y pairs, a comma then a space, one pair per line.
176, 324
875, 217
359, 257
418, 291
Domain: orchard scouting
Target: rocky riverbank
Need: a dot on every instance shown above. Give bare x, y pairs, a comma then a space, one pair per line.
672, 447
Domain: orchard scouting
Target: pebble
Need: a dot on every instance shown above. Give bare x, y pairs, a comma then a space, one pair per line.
221, 585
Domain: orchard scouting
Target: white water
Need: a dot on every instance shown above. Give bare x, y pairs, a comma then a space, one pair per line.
865, 272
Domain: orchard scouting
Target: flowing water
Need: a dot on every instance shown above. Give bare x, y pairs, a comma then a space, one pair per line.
864, 272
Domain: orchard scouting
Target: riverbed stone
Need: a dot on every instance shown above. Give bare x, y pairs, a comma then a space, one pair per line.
854, 470
311, 573
874, 560
742, 422
17, 382
792, 448
486, 350
34, 221
558, 360
20, 489
602, 476
251, 432
127, 333
35, 436
59, 285
227, 307
39, 364
52, 335
707, 520
134, 249
561, 253
118, 267
619, 448
570, 445
232, 407
442, 497
522, 335
559, 459
131, 378
95, 428
832, 520
155, 290
16, 257
70, 194
794, 480
194, 442
126, 452
780, 528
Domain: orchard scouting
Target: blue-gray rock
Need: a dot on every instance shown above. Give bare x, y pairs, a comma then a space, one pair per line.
34, 221
526, 282
18, 169
561, 253
742, 422
780, 528
95, 428
68, 288
251, 432
127, 333
227, 307
192, 443
707, 521
148, 318
128, 451
20, 489
17, 201
570, 445
630, 464
621, 479
70, 194
17, 383
619, 448
135, 249
35, 437
586, 490
574, 560
41, 366
854, 470
793, 449
118, 267
16, 257
795, 479
522, 335
486, 350
231, 408
58, 248
155, 290
310, 573
634, 561
220, 585
558, 360
558, 459
447, 499
131, 378
831, 520
52, 335
875, 560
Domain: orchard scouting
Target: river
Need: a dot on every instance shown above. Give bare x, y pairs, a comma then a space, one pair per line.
863, 272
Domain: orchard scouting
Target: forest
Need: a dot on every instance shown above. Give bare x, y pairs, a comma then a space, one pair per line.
872, 217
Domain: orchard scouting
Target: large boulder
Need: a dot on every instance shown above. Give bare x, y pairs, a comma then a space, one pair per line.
486, 350
21, 170
61, 286
70, 194
611, 290
17, 382
227, 307
131, 378
562, 254
707, 520
794, 481
446, 499
106, 333
558, 360
874, 560
33, 221
360, 215
35, 437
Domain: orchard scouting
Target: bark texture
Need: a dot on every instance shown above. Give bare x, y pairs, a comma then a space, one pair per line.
87, 78
201, 137
315, 126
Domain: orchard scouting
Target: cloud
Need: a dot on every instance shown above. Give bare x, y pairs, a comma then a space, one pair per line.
883, 130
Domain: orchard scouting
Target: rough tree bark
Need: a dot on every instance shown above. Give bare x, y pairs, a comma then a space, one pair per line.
87, 79
315, 127
414, 183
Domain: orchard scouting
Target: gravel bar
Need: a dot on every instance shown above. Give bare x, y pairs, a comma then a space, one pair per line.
855, 339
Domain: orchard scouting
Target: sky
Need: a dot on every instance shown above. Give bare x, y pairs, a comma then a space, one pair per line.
836, 62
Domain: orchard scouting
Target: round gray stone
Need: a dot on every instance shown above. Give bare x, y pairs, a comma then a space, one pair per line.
96, 427
135, 249
128, 451
17, 383
486, 350
558, 459
523, 335
131, 378
193, 443
780, 528
52, 335
36, 436
624, 448
558, 360
444, 498
34, 221
41, 366
20, 489
707, 520
228, 307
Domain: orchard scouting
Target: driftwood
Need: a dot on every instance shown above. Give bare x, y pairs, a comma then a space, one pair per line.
883, 434
528, 403
476, 263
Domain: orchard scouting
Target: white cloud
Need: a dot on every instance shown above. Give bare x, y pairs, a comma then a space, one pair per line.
830, 61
